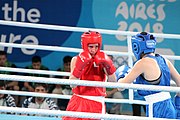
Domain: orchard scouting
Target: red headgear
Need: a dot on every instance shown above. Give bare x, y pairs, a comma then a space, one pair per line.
90, 38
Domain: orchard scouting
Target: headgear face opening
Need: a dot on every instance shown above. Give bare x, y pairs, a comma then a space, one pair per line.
91, 37
143, 43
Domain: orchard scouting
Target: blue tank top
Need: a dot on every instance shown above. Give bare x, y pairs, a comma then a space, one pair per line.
164, 78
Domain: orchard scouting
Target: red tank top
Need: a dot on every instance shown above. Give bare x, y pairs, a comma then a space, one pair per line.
92, 72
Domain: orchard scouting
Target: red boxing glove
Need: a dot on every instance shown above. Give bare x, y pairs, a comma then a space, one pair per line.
82, 60
102, 58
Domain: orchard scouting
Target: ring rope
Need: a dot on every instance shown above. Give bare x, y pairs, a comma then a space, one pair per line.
74, 114
88, 83
109, 100
80, 29
76, 50
56, 48
44, 72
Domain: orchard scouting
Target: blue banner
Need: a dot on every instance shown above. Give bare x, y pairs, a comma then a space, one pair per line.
160, 16
64, 13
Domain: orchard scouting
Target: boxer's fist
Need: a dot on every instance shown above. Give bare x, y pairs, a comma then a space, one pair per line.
82, 60
122, 71
102, 58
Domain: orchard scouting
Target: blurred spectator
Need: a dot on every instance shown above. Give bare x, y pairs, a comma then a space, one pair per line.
63, 89
6, 100
40, 102
113, 108
37, 65
10, 85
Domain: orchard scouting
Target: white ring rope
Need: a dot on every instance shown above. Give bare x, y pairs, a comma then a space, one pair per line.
74, 114
80, 29
35, 94
76, 50
88, 83
55, 48
44, 72
109, 100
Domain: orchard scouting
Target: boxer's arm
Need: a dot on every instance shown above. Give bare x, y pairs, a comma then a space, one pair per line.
136, 70
72, 65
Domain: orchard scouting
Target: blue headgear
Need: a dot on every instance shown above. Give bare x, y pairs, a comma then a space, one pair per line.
143, 43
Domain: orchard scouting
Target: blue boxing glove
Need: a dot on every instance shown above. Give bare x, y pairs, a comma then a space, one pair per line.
177, 105
122, 71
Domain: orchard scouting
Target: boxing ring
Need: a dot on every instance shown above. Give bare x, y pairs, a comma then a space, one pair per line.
58, 113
